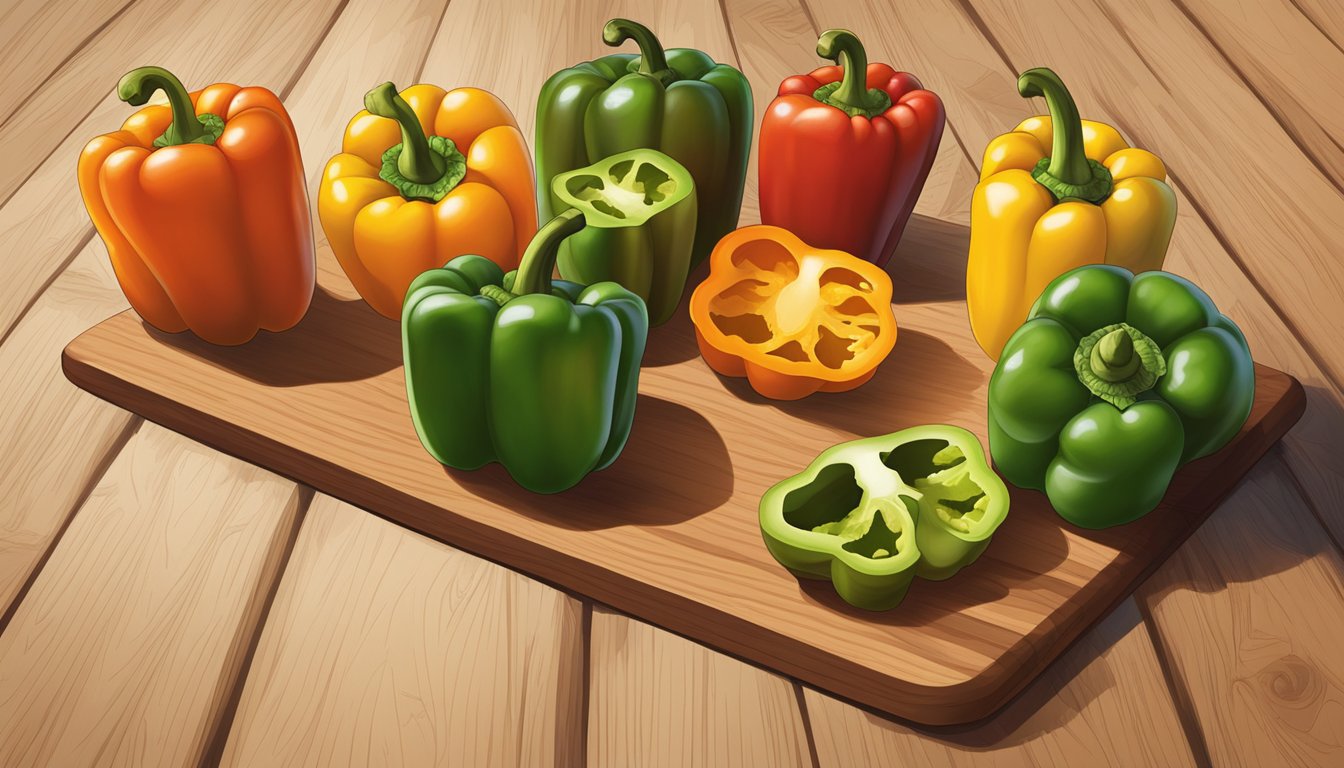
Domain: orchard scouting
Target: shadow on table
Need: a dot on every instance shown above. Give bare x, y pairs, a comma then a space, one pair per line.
338, 340
674, 467
930, 262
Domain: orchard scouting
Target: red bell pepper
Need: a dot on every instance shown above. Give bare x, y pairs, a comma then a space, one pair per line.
842, 160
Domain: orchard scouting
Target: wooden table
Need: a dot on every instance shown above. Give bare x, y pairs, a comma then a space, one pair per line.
161, 603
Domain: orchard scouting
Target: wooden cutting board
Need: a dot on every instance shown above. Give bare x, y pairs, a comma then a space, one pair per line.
669, 532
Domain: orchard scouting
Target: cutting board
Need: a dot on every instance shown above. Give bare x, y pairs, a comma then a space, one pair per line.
669, 532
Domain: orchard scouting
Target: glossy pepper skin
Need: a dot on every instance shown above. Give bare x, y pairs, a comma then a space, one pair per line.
540, 376
640, 212
203, 207
871, 514
1112, 385
792, 319
1052, 200
677, 101
845, 151
423, 176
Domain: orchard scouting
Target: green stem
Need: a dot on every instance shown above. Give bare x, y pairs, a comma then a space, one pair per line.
1067, 172
653, 61
139, 84
1114, 357
534, 273
843, 47
417, 162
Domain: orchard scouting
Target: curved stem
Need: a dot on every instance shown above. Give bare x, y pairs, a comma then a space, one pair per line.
843, 47
534, 273
652, 58
1068, 160
417, 162
139, 84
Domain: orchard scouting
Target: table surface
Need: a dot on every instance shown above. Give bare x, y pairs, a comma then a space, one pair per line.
161, 603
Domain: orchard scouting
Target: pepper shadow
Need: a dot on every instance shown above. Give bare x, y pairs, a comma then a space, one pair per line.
898, 396
674, 467
674, 341
930, 261
337, 340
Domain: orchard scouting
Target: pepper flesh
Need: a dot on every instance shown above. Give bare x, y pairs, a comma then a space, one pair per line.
1049, 201
203, 207
429, 175
640, 212
1113, 384
536, 374
675, 100
872, 514
845, 151
791, 318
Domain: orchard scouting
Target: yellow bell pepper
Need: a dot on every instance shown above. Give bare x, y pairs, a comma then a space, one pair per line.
1092, 199
425, 176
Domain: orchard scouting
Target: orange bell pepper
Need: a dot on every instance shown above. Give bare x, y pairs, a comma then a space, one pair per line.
791, 318
425, 176
203, 207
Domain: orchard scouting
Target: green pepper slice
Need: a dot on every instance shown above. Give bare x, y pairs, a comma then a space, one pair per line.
536, 374
640, 209
870, 515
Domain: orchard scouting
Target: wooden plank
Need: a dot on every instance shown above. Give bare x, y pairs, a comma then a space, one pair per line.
1104, 703
1253, 640
44, 223
388, 648
37, 36
656, 699
1253, 36
126, 648
683, 536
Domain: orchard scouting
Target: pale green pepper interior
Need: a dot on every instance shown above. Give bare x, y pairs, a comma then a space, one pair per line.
630, 190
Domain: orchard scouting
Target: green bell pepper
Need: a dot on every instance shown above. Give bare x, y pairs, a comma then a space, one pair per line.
1112, 384
536, 374
677, 101
872, 514
640, 209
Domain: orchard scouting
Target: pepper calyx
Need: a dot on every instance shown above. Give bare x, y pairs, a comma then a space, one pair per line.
1096, 189
876, 101
212, 126
1118, 363
454, 170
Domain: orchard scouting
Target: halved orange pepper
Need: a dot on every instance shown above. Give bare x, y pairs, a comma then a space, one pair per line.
791, 318
425, 176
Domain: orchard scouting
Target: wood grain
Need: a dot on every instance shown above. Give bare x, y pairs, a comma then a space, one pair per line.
387, 648
691, 477
1104, 703
1254, 641
656, 699
127, 646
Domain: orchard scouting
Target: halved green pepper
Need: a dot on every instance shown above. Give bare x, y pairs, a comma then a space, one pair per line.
1112, 384
870, 515
640, 209
536, 374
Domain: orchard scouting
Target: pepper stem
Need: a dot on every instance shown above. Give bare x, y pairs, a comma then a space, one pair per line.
1067, 172
139, 84
653, 60
1114, 357
417, 162
852, 93
534, 272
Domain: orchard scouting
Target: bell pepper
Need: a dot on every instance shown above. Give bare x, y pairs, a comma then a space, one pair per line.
872, 514
203, 207
1112, 385
536, 374
1034, 216
791, 318
458, 181
677, 101
845, 151
640, 209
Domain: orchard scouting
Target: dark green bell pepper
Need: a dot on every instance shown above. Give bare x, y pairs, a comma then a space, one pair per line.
870, 515
1112, 384
640, 209
536, 374
677, 101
